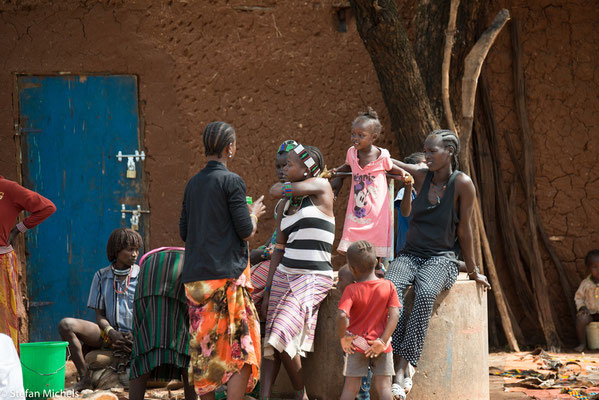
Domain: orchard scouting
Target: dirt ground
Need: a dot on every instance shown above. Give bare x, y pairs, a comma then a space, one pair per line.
586, 363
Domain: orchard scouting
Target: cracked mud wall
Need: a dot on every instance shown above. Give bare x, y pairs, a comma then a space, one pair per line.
560, 45
280, 69
275, 72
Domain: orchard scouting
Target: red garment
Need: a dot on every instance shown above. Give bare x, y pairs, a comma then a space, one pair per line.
367, 306
14, 198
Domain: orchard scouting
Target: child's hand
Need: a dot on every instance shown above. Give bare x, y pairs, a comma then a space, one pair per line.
376, 347
583, 312
347, 344
408, 179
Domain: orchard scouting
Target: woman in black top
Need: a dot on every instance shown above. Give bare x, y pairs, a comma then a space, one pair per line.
440, 216
215, 224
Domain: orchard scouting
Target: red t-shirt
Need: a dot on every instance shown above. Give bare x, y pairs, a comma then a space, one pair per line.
367, 306
14, 198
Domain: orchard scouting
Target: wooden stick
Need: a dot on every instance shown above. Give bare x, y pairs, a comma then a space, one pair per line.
449, 40
538, 273
504, 223
495, 284
472, 66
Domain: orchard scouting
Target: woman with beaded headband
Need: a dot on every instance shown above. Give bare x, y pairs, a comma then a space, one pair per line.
301, 273
441, 215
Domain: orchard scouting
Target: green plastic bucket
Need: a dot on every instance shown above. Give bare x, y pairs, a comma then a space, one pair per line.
43, 365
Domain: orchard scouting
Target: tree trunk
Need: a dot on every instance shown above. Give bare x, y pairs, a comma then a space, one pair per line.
431, 23
404, 93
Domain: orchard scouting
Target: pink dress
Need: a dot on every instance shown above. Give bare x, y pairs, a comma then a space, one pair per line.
368, 215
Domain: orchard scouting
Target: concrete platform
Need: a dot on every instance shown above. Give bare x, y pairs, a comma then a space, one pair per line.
454, 361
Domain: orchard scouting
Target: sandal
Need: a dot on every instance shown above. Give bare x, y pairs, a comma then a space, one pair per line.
398, 392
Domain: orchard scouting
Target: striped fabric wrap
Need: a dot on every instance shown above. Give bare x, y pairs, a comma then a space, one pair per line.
310, 235
293, 311
259, 273
307, 159
160, 317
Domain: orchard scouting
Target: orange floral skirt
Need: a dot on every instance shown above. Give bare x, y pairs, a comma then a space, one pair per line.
9, 296
224, 332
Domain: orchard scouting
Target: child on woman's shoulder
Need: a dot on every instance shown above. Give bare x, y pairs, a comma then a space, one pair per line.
368, 314
369, 215
587, 298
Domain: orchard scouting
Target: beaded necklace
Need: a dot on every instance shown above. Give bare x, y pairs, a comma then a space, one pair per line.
121, 272
296, 201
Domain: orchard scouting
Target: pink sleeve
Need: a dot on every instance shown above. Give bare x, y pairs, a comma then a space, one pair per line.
387, 163
393, 300
346, 301
349, 158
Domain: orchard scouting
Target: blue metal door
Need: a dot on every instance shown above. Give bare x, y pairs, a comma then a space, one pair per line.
72, 128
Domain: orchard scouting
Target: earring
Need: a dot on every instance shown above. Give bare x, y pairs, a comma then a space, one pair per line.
230, 155
305, 174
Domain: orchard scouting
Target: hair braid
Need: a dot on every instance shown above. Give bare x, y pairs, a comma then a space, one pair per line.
316, 155
450, 139
217, 135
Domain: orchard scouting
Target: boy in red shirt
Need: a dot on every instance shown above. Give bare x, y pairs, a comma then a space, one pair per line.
368, 314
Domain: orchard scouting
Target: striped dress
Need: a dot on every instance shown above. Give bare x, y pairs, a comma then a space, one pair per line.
301, 282
160, 317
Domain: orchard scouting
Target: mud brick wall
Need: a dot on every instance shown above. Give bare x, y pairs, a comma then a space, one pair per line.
560, 45
281, 69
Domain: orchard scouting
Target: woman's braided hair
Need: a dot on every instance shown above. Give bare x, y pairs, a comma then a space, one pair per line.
372, 117
316, 155
217, 136
450, 139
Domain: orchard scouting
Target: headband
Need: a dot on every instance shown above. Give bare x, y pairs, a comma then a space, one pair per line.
307, 159
287, 146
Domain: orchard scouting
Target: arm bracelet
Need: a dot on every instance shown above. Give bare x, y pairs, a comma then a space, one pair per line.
287, 191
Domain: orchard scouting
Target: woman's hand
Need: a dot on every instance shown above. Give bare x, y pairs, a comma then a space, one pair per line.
347, 344
257, 208
117, 339
583, 312
376, 348
480, 278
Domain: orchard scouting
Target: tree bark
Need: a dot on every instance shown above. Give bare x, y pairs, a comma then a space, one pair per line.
404, 93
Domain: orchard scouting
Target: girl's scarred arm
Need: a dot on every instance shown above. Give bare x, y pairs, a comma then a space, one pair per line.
318, 188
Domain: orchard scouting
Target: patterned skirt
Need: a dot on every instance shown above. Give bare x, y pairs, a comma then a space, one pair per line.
293, 311
259, 274
160, 319
224, 332
9, 296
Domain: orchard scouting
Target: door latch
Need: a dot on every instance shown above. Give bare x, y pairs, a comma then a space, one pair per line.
131, 173
135, 214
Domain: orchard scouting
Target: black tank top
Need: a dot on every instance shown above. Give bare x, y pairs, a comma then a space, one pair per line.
433, 228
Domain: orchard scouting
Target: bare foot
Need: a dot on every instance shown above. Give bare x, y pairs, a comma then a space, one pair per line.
579, 348
84, 383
